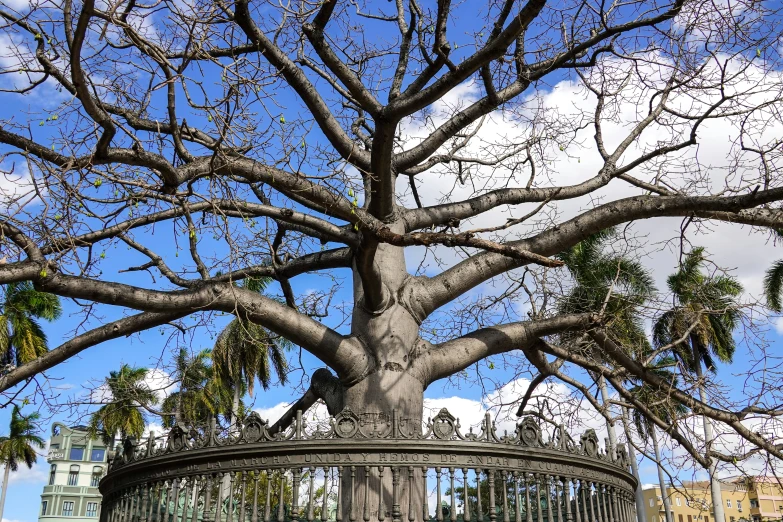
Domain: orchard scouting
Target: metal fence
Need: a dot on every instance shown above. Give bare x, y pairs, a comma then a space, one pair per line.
369, 468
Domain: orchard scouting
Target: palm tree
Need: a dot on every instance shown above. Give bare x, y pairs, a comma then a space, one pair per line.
773, 286
123, 414
19, 445
699, 328
21, 337
244, 350
616, 287
666, 409
612, 285
200, 397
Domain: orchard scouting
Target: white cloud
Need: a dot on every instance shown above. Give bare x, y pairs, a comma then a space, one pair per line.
778, 324
17, 5
720, 166
17, 188
272, 413
38, 474
158, 381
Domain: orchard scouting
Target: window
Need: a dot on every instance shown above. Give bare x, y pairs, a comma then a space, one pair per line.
54, 446
97, 455
52, 473
739, 505
43, 507
77, 453
96, 478
690, 518
679, 518
68, 508
92, 509
732, 519
677, 500
728, 502
706, 518
73, 476
652, 502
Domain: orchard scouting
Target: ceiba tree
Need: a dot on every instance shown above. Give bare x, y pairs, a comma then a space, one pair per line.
259, 139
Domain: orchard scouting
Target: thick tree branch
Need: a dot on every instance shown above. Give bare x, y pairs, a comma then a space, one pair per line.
236, 208
411, 102
467, 274
453, 356
347, 356
732, 419
113, 330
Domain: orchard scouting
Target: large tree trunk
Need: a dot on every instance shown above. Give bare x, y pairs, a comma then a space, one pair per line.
379, 397
392, 388
667, 503
717, 498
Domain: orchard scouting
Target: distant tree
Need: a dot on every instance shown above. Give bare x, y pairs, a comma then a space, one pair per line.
699, 328
123, 415
200, 397
19, 445
773, 286
22, 339
613, 286
245, 351
666, 409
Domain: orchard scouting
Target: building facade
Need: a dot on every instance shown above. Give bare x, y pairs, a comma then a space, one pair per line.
76, 465
747, 499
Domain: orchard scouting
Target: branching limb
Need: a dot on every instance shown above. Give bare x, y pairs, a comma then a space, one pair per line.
303, 87
453, 356
74, 346
479, 268
347, 356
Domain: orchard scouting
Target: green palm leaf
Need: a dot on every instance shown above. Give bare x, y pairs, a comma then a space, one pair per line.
123, 414
22, 441
22, 339
773, 286
704, 317
244, 350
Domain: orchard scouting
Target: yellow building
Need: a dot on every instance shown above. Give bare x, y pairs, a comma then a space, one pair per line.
749, 499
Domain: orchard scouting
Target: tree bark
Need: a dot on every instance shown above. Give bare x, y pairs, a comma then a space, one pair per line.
667, 502
717, 498
235, 410
5, 489
609, 421
638, 494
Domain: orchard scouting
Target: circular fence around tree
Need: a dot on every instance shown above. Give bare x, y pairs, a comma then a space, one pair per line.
369, 468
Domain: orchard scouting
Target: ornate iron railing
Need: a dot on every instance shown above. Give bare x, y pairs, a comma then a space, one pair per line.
371, 468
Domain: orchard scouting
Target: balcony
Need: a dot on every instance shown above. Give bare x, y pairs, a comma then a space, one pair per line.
369, 468
70, 490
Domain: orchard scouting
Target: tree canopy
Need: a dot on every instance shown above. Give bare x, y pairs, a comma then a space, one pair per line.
412, 176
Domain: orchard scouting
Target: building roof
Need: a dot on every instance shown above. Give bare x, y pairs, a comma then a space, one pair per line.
729, 483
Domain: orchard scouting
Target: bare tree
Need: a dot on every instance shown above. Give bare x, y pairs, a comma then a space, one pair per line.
275, 140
